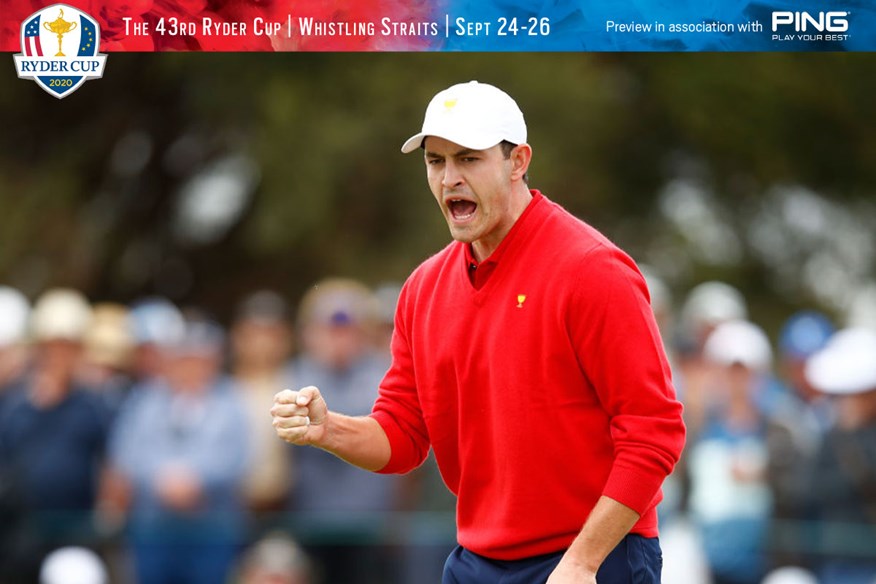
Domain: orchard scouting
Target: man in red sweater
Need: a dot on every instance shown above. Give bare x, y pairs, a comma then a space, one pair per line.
526, 355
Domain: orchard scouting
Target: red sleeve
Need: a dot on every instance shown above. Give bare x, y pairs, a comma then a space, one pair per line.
397, 408
622, 355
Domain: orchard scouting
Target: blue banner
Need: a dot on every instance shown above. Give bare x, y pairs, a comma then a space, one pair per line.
659, 25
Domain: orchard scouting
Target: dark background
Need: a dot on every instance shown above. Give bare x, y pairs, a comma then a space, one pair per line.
203, 176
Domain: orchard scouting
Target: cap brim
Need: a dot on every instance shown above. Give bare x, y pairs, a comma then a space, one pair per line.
416, 141
413, 143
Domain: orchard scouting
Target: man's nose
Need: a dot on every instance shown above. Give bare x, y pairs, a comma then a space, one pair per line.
452, 175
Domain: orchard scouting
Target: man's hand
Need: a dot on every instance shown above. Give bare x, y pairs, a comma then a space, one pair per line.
299, 416
302, 417
604, 529
179, 488
567, 572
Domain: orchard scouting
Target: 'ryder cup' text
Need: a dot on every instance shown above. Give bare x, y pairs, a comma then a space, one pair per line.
49, 65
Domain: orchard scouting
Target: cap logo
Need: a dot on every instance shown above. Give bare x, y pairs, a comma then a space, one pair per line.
449, 104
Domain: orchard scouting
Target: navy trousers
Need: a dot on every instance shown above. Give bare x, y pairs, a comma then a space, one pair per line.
635, 560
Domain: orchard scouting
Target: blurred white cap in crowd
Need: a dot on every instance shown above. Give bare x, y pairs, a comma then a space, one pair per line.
847, 365
200, 336
156, 321
73, 565
790, 575
739, 342
60, 314
712, 303
14, 314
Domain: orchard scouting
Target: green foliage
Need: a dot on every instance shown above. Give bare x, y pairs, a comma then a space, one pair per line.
335, 195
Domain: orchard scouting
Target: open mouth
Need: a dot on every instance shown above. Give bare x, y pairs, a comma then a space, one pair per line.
461, 209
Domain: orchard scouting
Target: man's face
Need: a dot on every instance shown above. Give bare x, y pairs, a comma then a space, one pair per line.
260, 344
473, 190
192, 371
337, 346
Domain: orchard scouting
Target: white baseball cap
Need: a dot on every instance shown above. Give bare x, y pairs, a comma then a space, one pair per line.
473, 115
60, 313
14, 314
712, 303
73, 565
847, 365
739, 342
156, 321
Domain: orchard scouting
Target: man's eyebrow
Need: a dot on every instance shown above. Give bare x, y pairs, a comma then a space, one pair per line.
463, 152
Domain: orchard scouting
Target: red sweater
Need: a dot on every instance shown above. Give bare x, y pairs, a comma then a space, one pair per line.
539, 390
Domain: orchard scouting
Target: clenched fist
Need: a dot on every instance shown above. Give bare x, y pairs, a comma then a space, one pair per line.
299, 416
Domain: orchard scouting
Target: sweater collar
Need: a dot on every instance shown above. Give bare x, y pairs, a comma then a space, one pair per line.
522, 224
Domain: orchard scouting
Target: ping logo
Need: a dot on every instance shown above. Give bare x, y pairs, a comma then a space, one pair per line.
803, 21
59, 47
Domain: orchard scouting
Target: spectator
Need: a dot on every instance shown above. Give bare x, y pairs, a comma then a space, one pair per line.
843, 479
430, 536
387, 298
661, 302
53, 433
156, 322
802, 335
108, 350
706, 306
14, 315
798, 424
335, 320
730, 499
261, 343
181, 445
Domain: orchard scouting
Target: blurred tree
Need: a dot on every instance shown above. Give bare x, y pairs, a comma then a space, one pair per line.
205, 175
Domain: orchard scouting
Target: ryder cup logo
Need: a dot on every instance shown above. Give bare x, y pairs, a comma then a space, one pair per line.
59, 49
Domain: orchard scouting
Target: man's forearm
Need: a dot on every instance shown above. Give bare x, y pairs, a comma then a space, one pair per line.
302, 417
359, 440
607, 525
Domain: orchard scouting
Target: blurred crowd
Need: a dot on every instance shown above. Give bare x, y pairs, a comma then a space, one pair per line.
777, 483
136, 444
141, 434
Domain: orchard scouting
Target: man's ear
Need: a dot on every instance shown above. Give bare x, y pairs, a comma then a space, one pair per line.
521, 155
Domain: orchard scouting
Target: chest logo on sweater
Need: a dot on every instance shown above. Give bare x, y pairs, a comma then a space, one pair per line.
521, 298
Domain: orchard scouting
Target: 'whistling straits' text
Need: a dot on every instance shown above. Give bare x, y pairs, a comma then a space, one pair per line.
309, 26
